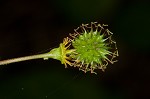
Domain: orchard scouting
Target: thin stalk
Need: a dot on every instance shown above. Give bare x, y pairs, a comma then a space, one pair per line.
19, 59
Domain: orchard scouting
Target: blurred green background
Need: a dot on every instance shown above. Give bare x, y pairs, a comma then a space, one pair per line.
35, 26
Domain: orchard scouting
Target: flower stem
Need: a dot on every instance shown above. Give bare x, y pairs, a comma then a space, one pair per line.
19, 59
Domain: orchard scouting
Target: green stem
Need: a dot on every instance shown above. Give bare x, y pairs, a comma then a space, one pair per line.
19, 59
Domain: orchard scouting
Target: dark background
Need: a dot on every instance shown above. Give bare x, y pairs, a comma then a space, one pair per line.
32, 26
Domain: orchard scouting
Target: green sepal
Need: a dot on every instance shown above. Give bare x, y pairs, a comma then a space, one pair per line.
56, 53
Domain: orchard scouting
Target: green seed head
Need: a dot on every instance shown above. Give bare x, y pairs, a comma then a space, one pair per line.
93, 47
90, 47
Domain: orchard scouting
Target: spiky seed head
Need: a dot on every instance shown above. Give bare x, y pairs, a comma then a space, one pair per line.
94, 48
